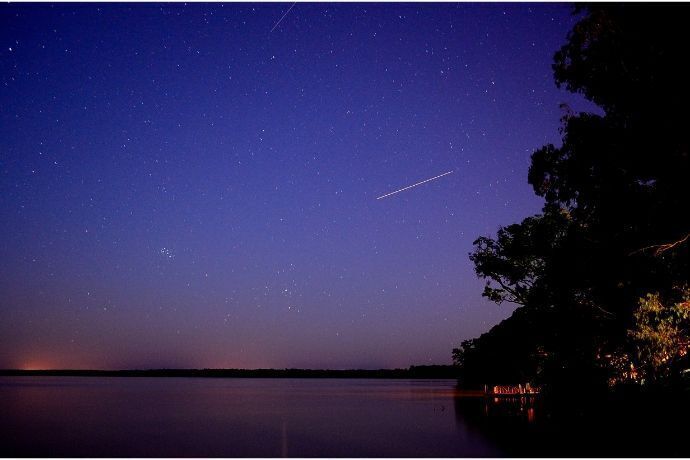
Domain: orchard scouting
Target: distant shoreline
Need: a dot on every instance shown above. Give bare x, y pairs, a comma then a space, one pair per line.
413, 372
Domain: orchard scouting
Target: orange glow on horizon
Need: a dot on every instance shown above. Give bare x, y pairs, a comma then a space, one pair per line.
36, 366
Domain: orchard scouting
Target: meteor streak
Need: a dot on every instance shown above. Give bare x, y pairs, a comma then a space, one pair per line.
414, 185
282, 17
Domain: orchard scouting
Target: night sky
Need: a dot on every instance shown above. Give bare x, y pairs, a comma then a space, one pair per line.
183, 187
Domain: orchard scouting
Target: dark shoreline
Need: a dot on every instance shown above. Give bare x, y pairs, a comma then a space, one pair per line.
414, 372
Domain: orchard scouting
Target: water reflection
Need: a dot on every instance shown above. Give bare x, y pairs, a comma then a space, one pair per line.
283, 445
511, 423
579, 424
193, 417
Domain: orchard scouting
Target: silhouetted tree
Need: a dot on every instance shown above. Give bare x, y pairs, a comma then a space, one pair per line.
615, 223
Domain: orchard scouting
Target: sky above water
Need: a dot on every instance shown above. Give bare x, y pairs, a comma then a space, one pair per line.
196, 185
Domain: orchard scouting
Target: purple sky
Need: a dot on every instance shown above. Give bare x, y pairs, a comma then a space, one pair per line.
182, 187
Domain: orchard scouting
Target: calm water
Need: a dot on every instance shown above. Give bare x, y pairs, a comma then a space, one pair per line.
200, 417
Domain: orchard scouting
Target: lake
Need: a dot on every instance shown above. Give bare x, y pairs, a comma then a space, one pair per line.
205, 417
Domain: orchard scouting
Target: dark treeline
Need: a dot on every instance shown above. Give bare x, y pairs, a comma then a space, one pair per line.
600, 276
421, 372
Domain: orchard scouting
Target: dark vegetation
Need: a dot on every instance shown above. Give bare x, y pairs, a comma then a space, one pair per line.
600, 276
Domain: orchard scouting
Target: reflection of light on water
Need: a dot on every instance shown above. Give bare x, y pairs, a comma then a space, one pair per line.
283, 450
523, 407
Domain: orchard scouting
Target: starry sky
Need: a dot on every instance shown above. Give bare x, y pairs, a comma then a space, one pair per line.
195, 185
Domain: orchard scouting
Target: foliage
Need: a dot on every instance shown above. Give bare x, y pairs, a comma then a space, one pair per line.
614, 225
505, 355
514, 261
661, 335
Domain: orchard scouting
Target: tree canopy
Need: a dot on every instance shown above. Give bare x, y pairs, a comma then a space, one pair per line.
615, 225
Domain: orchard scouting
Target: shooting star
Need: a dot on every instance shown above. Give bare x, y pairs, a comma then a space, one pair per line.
282, 17
414, 185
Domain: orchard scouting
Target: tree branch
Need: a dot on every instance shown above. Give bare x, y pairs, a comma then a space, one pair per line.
517, 298
661, 248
